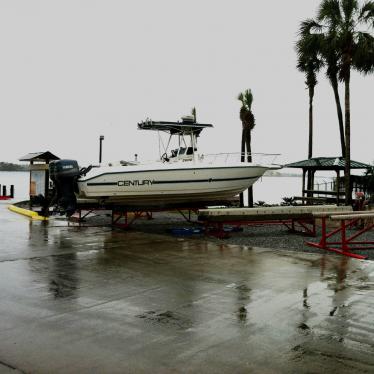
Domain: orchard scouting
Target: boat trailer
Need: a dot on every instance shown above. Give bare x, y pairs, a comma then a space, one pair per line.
124, 216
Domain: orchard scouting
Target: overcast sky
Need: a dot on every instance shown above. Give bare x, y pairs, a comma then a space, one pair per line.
73, 70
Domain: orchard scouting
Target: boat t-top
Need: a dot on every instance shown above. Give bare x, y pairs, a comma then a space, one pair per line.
181, 175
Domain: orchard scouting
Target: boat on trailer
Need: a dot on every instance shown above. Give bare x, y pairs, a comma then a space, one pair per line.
181, 176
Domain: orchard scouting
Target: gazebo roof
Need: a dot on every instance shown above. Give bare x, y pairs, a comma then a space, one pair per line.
39, 156
326, 163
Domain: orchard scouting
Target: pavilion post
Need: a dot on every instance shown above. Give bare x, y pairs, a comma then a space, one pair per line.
308, 182
303, 184
337, 187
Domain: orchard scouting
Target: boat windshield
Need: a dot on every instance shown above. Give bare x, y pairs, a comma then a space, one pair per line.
182, 151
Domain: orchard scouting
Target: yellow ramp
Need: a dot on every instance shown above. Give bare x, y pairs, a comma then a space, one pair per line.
27, 212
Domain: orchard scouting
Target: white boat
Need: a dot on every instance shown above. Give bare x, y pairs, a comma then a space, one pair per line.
182, 175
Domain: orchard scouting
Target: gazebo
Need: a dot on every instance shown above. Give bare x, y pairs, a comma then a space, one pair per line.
312, 165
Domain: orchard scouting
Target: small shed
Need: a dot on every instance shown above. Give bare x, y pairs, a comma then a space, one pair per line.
312, 165
39, 172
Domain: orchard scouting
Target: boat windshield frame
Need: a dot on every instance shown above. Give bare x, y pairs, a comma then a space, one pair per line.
182, 130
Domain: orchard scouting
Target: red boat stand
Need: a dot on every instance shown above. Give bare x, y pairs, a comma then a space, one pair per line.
347, 243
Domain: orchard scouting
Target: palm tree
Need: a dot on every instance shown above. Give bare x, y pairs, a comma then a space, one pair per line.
318, 46
344, 21
309, 63
248, 124
331, 58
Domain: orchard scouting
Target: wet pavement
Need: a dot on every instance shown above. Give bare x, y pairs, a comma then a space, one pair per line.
92, 299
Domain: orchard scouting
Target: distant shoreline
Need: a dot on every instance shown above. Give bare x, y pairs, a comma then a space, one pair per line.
278, 174
8, 166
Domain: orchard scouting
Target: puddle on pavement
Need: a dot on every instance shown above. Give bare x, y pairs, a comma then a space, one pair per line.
166, 318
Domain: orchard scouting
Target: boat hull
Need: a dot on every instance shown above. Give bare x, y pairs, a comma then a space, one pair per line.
168, 185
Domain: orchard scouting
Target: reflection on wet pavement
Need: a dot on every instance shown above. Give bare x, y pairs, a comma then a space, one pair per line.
92, 299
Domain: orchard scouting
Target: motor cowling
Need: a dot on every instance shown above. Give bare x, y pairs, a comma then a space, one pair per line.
64, 175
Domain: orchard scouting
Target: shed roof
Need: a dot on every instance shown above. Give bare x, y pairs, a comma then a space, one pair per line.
326, 163
39, 156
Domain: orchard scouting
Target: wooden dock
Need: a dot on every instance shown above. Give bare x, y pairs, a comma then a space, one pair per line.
267, 213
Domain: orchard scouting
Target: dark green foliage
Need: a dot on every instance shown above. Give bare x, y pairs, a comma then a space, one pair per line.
307, 49
246, 115
345, 27
261, 203
7, 166
288, 201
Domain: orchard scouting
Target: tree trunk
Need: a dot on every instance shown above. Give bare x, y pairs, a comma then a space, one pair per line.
310, 143
310, 146
250, 197
242, 158
347, 170
249, 155
334, 84
248, 144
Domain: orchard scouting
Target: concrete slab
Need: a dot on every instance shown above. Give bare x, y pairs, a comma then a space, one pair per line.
90, 299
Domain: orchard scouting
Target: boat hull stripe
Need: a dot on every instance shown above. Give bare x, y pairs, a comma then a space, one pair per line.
102, 184
205, 180
180, 181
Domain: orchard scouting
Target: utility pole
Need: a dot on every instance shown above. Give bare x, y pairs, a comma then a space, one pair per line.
101, 148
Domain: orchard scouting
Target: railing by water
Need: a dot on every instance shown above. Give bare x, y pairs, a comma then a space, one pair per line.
222, 158
325, 186
330, 187
257, 158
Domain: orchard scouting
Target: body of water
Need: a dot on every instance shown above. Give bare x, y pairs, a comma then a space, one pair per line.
268, 189
273, 189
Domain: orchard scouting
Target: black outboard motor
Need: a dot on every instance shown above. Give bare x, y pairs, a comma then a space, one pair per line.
64, 175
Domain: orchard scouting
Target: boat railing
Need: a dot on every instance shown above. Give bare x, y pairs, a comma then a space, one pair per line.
223, 158
255, 158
